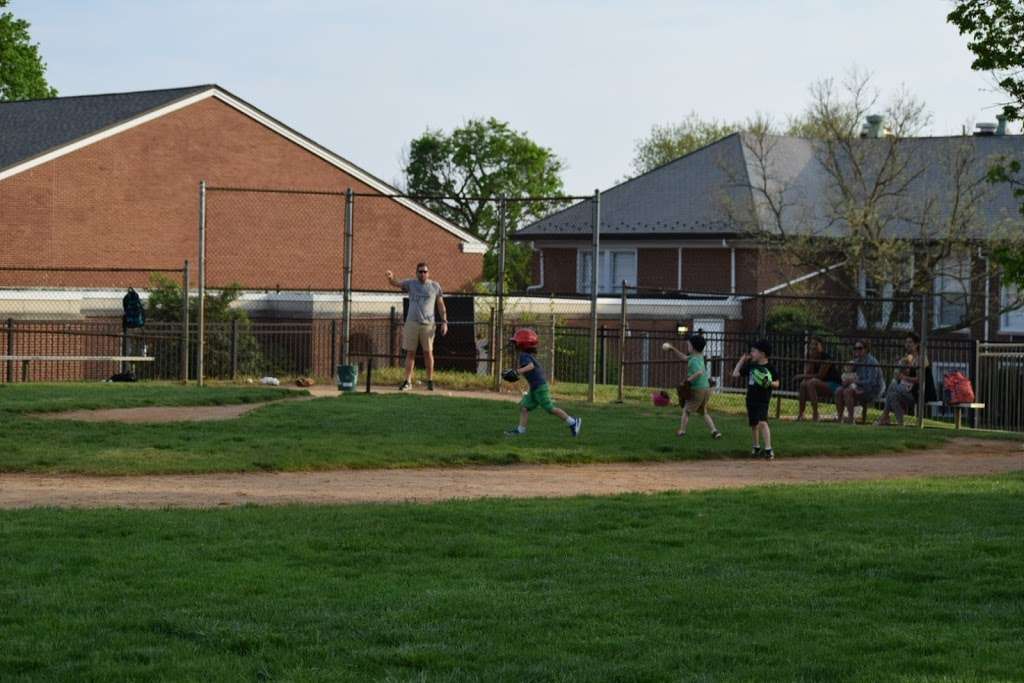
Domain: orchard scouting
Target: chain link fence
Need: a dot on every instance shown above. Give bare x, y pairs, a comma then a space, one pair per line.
302, 276
1000, 386
65, 323
294, 284
732, 322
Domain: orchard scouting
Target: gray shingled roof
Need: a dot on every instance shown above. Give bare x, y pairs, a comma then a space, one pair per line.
680, 198
687, 197
30, 128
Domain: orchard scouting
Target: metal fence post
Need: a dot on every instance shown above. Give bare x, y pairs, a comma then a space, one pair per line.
10, 349
392, 353
554, 347
604, 356
922, 381
622, 345
346, 313
201, 312
334, 347
500, 291
234, 348
492, 350
594, 268
184, 323
976, 375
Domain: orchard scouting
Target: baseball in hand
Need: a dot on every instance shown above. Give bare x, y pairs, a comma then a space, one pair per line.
666, 346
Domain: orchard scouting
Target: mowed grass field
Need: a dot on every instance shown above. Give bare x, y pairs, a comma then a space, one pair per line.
378, 431
911, 580
40, 398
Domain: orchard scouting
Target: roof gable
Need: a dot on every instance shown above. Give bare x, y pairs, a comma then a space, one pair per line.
31, 128
708, 192
36, 131
682, 198
934, 173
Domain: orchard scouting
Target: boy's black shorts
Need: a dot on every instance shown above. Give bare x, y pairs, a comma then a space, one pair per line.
757, 412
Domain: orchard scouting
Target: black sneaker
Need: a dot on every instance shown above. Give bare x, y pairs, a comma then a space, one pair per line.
716, 434
405, 386
755, 452
769, 454
430, 385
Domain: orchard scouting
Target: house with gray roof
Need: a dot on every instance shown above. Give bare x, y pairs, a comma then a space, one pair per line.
702, 223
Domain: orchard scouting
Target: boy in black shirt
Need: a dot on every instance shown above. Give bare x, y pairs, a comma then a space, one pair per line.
761, 379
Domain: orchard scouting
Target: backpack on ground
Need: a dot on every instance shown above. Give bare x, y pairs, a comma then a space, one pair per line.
959, 387
134, 311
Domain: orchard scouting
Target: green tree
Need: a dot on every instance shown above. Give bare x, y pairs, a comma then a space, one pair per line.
876, 232
672, 140
164, 305
995, 30
22, 71
475, 164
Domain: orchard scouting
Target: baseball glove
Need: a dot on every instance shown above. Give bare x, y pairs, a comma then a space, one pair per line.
510, 375
685, 392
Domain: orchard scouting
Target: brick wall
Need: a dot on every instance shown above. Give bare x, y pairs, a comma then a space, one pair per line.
132, 200
560, 271
658, 268
706, 270
747, 270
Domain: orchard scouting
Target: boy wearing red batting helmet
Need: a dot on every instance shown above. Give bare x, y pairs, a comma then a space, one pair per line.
526, 341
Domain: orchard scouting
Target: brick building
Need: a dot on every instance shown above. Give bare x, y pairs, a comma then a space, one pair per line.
112, 180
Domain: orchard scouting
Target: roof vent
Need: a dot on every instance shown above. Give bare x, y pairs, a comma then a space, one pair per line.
985, 129
1001, 126
873, 128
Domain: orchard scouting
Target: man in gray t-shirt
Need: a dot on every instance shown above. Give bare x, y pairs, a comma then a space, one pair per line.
424, 296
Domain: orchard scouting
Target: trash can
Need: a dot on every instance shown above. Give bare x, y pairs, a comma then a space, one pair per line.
348, 377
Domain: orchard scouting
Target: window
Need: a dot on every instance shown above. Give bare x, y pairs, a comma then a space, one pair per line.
952, 287
1011, 320
879, 310
614, 267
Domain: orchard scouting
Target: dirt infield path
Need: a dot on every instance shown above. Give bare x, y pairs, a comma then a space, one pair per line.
965, 457
155, 414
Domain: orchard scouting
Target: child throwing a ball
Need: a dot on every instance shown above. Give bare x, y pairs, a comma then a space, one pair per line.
526, 342
761, 379
697, 384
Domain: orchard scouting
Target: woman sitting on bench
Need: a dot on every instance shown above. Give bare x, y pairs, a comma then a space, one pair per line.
902, 394
819, 380
868, 386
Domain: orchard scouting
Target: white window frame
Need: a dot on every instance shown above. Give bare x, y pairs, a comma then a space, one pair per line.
964, 263
604, 285
1006, 322
888, 291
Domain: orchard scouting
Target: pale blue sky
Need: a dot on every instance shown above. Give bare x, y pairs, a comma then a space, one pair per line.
583, 78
